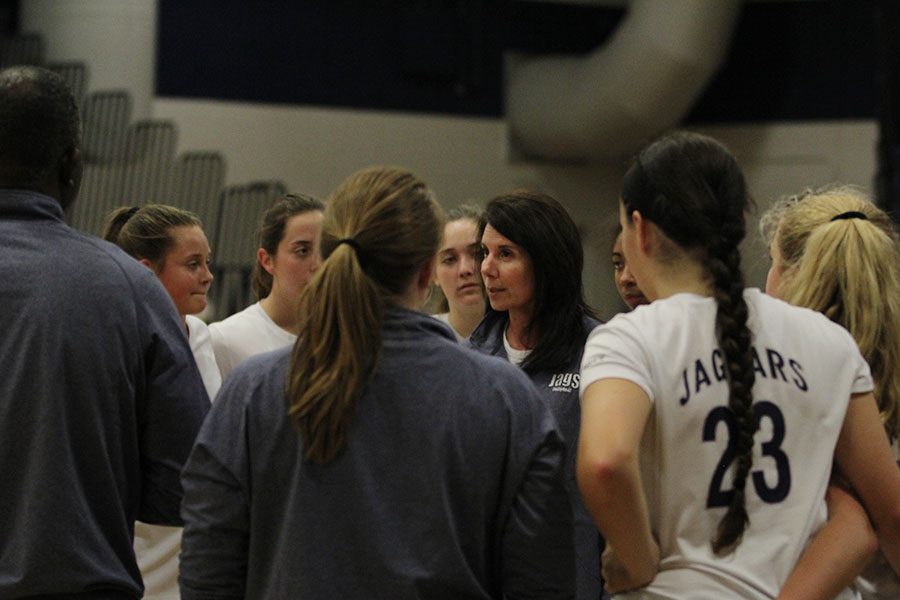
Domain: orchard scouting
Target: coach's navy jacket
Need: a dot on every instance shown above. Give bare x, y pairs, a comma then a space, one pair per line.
559, 390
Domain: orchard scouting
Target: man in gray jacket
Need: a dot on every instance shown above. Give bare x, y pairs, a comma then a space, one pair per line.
100, 399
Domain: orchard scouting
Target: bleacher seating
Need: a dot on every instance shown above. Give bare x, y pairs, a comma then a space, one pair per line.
76, 75
197, 181
134, 163
22, 49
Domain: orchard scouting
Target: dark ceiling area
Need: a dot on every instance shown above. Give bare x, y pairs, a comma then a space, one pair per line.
788, 60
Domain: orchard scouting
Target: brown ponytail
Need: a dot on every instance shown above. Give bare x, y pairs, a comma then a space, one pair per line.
381, 226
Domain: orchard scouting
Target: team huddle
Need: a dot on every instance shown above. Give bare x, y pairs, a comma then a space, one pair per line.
332, 440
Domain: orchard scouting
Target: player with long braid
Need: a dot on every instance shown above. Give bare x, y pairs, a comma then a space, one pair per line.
724, 264
710, 417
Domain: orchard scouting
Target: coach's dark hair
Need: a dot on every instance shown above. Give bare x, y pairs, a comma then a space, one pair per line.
541, 226
39, 124
271, 230
692, 189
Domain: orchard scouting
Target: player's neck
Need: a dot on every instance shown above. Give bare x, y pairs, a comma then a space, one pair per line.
518, 334
683, 276
283, 313
464, 319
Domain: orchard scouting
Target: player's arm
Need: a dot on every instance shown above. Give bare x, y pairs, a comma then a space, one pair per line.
864, 456
215, 544
613, 415
837, 553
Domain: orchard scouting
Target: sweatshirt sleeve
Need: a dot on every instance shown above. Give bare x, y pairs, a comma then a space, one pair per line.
216, 508
537, 539
538, 549
175, 403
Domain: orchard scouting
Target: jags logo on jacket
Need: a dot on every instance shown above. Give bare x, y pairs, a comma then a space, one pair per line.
565, 382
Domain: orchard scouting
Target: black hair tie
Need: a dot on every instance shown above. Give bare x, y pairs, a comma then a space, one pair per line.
350, 242
850, 214
360, 255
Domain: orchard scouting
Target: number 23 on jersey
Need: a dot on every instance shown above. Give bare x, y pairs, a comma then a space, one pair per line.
771, 451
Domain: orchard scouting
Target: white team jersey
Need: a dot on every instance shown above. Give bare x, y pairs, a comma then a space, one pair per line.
245, 334
201, 346
806, 369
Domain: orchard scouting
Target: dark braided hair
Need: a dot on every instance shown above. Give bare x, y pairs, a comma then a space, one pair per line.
692, 189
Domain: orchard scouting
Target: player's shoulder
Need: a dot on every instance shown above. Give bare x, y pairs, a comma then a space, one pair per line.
246, 321
775, 317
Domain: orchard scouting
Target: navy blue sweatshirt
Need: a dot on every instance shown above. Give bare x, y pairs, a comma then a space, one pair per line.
100, 402
450, 485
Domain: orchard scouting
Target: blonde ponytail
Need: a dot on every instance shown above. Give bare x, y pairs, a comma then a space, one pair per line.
849, 270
